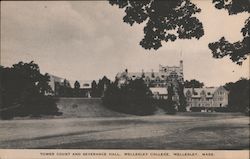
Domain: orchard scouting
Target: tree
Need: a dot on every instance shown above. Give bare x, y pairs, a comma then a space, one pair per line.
238, 95
182, 98
76, 89
77, 85
238, 50
93, 89
132, 98
102, 85
23, 91
172, 19
169, 105
165, 20
193, 84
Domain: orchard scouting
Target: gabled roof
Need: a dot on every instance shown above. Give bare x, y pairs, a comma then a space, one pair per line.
197, 92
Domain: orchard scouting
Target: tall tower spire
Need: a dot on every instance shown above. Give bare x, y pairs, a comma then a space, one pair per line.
181, 55
181, 67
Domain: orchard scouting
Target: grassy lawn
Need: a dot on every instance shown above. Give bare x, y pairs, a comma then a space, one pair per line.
181, 131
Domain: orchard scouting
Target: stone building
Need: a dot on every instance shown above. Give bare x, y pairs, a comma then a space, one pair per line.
206, 99
159, 81
55, 83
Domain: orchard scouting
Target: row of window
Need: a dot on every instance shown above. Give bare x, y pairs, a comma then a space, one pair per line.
203, 93
207, 99
204, 105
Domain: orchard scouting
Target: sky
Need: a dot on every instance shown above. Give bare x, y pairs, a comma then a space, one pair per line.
85, 40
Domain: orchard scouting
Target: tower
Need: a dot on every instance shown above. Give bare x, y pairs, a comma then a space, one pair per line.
181, 78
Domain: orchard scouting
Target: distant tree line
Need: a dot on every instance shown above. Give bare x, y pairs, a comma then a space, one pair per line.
136, 98
64, 89
193, 84
23, 90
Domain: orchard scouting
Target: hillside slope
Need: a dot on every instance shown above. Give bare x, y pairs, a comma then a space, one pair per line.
85, 107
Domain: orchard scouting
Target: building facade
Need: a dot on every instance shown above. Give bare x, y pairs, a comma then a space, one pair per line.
159, 81
206, 99
64, 88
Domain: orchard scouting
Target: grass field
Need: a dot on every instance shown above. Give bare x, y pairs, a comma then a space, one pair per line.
85, 123
181, 131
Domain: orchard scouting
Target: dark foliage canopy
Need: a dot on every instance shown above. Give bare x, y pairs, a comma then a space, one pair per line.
23, 90
133, 98
97, 90
172, 19
193, 84
164, 20
77, 85
238, 95
238, 50
182, 98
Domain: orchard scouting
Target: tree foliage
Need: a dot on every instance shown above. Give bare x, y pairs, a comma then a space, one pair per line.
182, 98
238, 95
76, 91
63, 89
165, 20
77, 85
193, 84
23, 91
238, 50
98, 89
133, 98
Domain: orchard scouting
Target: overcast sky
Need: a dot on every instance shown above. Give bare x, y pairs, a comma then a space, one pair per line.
86, 40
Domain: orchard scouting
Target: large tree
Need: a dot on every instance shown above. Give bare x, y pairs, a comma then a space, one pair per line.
237, 51
238, 95
172, 19
165, 20
132, 98
23, 91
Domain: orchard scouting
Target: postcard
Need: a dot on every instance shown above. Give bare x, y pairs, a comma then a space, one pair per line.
124, 79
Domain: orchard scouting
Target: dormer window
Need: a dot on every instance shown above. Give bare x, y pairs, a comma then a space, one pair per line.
86, 85
153, 75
